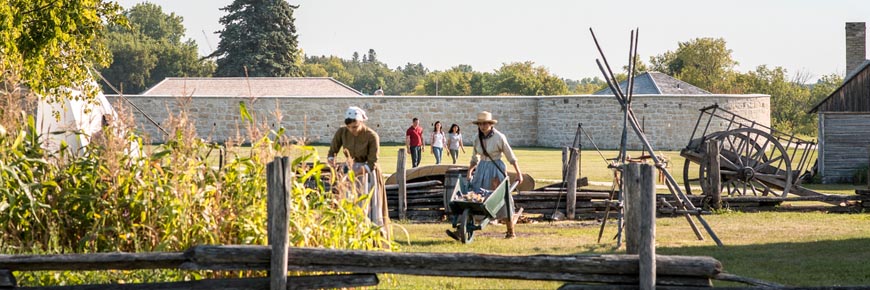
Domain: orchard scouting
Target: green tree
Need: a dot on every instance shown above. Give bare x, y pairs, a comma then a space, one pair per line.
150, 49
525, 79
703, 62
258, 35
49, 44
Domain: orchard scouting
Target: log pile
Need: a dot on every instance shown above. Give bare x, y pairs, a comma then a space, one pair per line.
425, 200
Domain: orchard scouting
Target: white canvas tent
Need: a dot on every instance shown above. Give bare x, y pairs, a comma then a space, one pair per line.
79, 120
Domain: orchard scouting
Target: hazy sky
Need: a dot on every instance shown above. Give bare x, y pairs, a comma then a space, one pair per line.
800, 35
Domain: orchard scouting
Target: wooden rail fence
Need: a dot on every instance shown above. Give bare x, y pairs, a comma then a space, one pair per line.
646, 270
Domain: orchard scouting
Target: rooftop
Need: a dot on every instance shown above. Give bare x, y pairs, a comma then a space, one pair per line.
251, 87
656, 83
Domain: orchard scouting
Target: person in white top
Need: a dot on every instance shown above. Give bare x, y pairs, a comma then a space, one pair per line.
454, 142
437, 142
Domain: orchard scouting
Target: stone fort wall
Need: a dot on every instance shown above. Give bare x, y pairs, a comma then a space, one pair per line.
527, 121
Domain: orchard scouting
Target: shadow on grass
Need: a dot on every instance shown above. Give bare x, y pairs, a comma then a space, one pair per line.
820, 263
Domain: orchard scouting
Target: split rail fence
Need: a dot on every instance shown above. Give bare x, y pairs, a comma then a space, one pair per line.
641, 267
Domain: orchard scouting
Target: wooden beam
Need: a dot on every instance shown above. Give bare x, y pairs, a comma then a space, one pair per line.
449, 264
572, 183
296, 282
401, 182
714, 178
7, 280
647, 209
93, 261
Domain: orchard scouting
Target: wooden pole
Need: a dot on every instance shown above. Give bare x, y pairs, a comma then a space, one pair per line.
279, 177
565, 151
400, 180
647, 249
572, 183
714, 178
631, 181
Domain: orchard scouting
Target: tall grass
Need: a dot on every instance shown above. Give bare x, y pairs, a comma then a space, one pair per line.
114, 197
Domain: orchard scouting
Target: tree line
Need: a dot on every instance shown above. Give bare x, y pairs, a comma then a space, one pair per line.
150, 47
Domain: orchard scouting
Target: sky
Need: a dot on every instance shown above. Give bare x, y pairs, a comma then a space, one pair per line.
806, 37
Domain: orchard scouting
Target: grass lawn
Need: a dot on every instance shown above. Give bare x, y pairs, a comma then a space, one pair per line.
796, 249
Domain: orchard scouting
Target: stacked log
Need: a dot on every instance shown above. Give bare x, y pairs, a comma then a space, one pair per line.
425, 200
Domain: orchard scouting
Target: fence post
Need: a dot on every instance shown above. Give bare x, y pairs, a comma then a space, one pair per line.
571, 179
647, 247
279, 176
714, 178
565, 151
402, 183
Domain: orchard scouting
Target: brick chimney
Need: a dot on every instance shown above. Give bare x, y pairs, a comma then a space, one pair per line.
856, 45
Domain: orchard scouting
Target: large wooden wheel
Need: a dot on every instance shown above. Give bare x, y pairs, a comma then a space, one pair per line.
752, 163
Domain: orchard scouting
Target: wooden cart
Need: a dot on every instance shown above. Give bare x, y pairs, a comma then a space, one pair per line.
754, 159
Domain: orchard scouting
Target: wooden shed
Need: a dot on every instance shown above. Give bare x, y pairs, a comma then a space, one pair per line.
844, 128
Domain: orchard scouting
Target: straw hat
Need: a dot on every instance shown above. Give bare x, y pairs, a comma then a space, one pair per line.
484, 117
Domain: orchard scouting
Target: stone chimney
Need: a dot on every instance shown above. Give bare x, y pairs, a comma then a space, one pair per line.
856, 45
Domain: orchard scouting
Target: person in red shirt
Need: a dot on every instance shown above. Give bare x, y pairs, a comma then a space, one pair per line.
414, 142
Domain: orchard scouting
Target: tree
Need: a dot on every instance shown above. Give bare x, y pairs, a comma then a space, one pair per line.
523, 78
258, 35
150, 49
703, 62
46, 45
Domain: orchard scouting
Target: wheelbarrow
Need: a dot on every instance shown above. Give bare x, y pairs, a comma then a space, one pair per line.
469, 216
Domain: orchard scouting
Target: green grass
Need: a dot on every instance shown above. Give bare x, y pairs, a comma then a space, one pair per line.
796, 249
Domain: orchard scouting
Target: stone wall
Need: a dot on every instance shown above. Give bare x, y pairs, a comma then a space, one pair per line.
527, 121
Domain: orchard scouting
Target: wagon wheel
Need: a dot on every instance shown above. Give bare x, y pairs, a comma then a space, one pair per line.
752, 162
466, 224
688, 168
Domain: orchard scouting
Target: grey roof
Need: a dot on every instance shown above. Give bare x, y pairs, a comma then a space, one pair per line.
656, 83
256, 87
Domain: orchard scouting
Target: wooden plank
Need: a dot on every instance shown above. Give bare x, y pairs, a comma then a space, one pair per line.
631, 182
279, 175
93, 261
401, 183
451, 264
430, 183
572, 182
296, 282
579, 195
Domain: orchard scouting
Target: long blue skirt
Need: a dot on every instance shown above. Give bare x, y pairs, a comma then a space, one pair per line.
483, 178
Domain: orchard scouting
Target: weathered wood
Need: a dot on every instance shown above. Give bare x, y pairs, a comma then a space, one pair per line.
647, 209
572, 182
565, 154
449, 264
296, 282
92, 261
430, 183
579, 195
279, 177
664, 283
7, 280
745, 280
402, 184
714, 178
631, 180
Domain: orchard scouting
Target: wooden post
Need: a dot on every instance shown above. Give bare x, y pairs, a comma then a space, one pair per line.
402, 183
565, 151
714, 178
571, 202
631, 183
647, 246
868, 167
279, 177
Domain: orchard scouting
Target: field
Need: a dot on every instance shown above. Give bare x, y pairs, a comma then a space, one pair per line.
787, 248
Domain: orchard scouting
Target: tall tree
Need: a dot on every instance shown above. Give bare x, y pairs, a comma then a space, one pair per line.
258, 35
49, 44
703, 62
150, 49
526, 79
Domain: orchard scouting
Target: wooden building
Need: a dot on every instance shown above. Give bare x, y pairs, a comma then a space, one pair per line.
844, 118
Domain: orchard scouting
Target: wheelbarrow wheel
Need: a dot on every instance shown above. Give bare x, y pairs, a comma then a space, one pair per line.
465, 230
